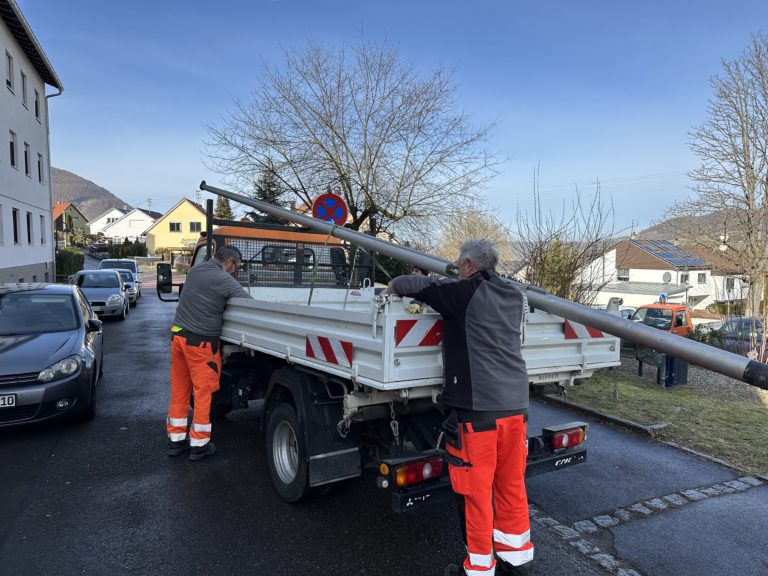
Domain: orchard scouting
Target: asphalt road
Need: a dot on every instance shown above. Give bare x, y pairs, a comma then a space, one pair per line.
103, 498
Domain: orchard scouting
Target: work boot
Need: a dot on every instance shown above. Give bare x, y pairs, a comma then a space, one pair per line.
454, 570
200, 452
177, 448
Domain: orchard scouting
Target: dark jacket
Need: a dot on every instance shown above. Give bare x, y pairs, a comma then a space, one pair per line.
204, 297
482, 315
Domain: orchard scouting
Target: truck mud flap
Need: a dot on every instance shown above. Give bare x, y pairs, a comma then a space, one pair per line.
334, 466
552, 462
409, 499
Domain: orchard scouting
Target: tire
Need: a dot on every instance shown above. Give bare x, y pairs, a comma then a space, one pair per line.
90, 411
286, 454
101, 365
124, 314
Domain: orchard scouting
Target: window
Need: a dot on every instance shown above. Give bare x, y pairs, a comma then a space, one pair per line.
684, 278
702, 278
24, 89
9, 71
37, 104
730, 283
195, 226
175, 226
40, 168
27, 165
29, 228
42, 229
622, 274
12, 144
15, 218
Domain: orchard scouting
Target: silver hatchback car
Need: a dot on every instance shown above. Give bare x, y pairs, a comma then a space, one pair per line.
105, 291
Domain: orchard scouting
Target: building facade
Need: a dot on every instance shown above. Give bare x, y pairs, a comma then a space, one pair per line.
132, 226
104, 219
178, 229
27, 245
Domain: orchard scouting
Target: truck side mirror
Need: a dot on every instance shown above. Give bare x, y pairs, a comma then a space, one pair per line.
164, 278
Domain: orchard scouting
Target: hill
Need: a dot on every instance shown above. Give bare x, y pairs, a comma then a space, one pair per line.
91, 199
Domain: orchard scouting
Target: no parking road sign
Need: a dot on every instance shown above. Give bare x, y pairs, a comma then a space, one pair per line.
331, 208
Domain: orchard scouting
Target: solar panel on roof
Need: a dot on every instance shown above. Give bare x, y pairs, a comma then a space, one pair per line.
669, 252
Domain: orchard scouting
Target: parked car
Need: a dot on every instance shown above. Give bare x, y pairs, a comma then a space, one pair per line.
626, 313
743, 335
125, 264
51, 353
674, 318
105, 291
130, 286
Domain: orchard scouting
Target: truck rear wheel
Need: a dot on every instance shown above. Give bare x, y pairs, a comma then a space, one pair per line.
286, 454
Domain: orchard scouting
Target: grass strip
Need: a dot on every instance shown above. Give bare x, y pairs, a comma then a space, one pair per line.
734, 431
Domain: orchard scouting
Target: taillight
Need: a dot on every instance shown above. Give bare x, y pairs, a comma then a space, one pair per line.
418, 472
567, 438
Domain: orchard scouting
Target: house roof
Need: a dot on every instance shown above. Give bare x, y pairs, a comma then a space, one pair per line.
721, 264
17, 24
151, 213
59, 208
126, 216
655, 255
179, 203
647, 288
672, 254
107, 212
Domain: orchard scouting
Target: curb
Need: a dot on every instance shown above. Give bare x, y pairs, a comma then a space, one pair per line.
649, 430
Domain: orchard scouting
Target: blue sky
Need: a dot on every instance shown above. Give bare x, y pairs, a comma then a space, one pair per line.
585, 89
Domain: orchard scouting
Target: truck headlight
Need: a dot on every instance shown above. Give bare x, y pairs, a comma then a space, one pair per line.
61, 369
113, 298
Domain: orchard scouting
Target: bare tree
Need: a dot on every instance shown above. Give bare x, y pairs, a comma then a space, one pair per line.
475, 223
732, 181
355, 118
558, 253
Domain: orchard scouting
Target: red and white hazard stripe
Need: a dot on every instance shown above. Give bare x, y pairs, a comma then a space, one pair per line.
329, 350
421, 332
574, 331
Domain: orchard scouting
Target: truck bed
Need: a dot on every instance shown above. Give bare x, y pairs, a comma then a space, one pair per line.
374, 341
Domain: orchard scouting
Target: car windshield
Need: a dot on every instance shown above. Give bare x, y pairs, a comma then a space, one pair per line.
36, 313
126, 276
127, 264
658, 318
97, 281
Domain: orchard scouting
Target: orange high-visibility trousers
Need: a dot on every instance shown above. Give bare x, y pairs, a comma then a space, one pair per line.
195, 366
491, 493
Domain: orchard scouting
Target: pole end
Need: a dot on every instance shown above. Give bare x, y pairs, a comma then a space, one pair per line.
203, 185
756, 374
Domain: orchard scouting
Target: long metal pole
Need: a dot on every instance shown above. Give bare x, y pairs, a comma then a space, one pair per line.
715, 359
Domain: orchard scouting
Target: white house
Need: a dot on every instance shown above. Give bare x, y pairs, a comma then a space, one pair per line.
131, 226
639, 271
103, 220
26, 232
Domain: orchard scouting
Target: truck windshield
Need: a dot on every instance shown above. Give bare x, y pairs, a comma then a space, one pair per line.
661, 319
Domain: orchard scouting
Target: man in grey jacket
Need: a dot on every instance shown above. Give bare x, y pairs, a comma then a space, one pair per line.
195, 350
486, 392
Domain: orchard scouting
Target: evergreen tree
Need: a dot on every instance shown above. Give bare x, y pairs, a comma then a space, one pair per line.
223, 210
267, 188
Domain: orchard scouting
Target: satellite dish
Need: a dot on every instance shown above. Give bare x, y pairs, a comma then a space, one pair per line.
667, 277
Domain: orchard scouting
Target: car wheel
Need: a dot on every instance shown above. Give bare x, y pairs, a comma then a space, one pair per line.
124, 313
101, 365
90, 412
286, 454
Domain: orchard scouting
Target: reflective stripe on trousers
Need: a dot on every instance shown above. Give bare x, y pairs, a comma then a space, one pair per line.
193, 368
491, 492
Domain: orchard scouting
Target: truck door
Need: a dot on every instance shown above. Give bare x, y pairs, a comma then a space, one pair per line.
680, 326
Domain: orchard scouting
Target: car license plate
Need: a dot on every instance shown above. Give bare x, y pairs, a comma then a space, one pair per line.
7, 400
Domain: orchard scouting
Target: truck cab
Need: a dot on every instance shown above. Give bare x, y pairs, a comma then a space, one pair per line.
673, 318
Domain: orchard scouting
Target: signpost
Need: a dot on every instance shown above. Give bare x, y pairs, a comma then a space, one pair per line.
330, 207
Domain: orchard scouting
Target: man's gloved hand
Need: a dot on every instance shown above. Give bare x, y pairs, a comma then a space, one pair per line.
414, 308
